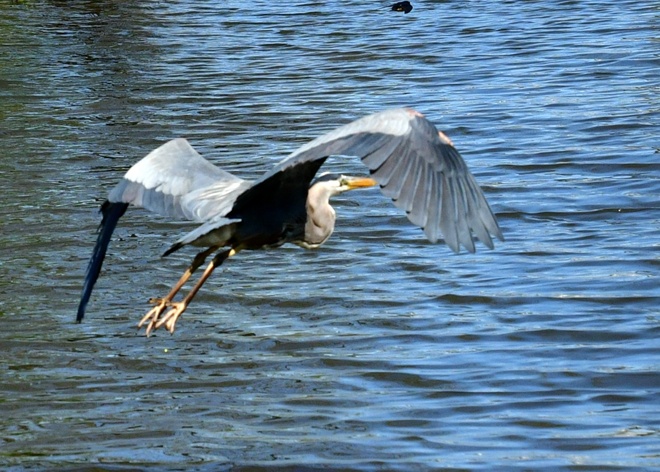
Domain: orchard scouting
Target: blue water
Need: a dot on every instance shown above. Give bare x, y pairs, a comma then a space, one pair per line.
379, 351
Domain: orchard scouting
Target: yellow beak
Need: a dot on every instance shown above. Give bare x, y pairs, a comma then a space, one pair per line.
358, 182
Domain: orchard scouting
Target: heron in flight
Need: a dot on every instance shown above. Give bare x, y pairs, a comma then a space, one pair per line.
414, 164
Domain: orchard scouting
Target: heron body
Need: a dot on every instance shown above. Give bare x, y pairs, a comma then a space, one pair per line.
414, 164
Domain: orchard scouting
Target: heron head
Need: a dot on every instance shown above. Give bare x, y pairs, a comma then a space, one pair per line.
337, 183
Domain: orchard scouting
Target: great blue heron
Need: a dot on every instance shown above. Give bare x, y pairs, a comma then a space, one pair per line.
415, 165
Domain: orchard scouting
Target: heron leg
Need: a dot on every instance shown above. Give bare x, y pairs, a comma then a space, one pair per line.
162, 303
170, 318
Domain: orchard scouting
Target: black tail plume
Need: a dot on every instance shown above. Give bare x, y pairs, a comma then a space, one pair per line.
111, 214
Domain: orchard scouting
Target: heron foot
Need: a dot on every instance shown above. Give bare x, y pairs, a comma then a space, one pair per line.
153, 315
169, 319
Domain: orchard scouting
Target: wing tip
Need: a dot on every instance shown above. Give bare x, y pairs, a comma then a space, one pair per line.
112, 212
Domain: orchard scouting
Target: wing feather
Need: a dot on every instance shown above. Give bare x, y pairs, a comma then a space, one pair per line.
433, 208
403, 188
418, 193
377, 157
175, 180
390, 176
447, 222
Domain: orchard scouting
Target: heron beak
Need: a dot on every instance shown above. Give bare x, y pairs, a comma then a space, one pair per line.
358, 182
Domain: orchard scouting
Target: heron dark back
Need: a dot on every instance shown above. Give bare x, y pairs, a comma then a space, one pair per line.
273, 212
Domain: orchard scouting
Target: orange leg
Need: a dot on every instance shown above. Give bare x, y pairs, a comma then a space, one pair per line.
170, 318
162, 303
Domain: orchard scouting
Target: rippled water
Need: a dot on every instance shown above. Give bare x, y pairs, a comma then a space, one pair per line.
379, 351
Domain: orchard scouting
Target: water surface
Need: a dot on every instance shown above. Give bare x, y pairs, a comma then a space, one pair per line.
380, 351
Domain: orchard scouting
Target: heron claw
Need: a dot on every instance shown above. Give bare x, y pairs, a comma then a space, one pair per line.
169, 320
154, 319
153, 315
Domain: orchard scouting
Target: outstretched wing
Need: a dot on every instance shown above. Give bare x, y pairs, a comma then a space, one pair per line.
175, 180
417, 167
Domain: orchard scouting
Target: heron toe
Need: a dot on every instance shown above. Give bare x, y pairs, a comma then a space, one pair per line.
169, 319
153, 315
